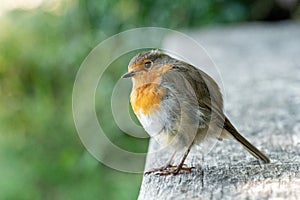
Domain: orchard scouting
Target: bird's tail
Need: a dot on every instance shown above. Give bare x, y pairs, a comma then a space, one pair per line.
245, 143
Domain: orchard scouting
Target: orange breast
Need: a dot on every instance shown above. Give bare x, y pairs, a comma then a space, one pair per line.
146, 98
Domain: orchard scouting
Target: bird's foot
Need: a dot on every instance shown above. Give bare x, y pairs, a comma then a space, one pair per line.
169, 170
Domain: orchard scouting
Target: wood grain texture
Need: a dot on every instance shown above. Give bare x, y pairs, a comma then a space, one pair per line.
260, 68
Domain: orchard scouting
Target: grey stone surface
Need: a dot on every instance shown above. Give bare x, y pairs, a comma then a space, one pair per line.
260, 69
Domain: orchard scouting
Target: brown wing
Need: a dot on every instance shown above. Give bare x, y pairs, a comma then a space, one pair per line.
210, 98
207, 91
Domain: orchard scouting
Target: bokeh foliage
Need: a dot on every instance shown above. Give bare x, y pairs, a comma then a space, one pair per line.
40, 52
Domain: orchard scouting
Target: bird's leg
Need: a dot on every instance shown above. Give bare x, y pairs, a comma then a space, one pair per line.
163, 168
180, 166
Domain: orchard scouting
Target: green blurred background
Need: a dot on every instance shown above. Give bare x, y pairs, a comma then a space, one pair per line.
42, 44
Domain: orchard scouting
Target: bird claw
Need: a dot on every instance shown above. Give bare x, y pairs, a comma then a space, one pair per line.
169, 170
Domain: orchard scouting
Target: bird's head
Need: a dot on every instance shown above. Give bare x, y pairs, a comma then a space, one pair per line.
147, 67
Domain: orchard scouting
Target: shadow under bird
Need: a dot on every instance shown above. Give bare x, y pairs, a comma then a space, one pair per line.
179, 106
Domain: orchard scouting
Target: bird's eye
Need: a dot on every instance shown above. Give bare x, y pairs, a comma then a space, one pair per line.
148, 64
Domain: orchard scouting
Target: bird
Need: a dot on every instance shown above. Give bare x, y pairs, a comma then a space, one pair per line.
180, 106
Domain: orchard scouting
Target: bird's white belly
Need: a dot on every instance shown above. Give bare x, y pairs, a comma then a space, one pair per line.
155, 126
151, 123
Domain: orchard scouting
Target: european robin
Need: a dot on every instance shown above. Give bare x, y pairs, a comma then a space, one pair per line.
179, 105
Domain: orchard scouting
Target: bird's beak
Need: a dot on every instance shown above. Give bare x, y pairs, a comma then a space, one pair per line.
128, 74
